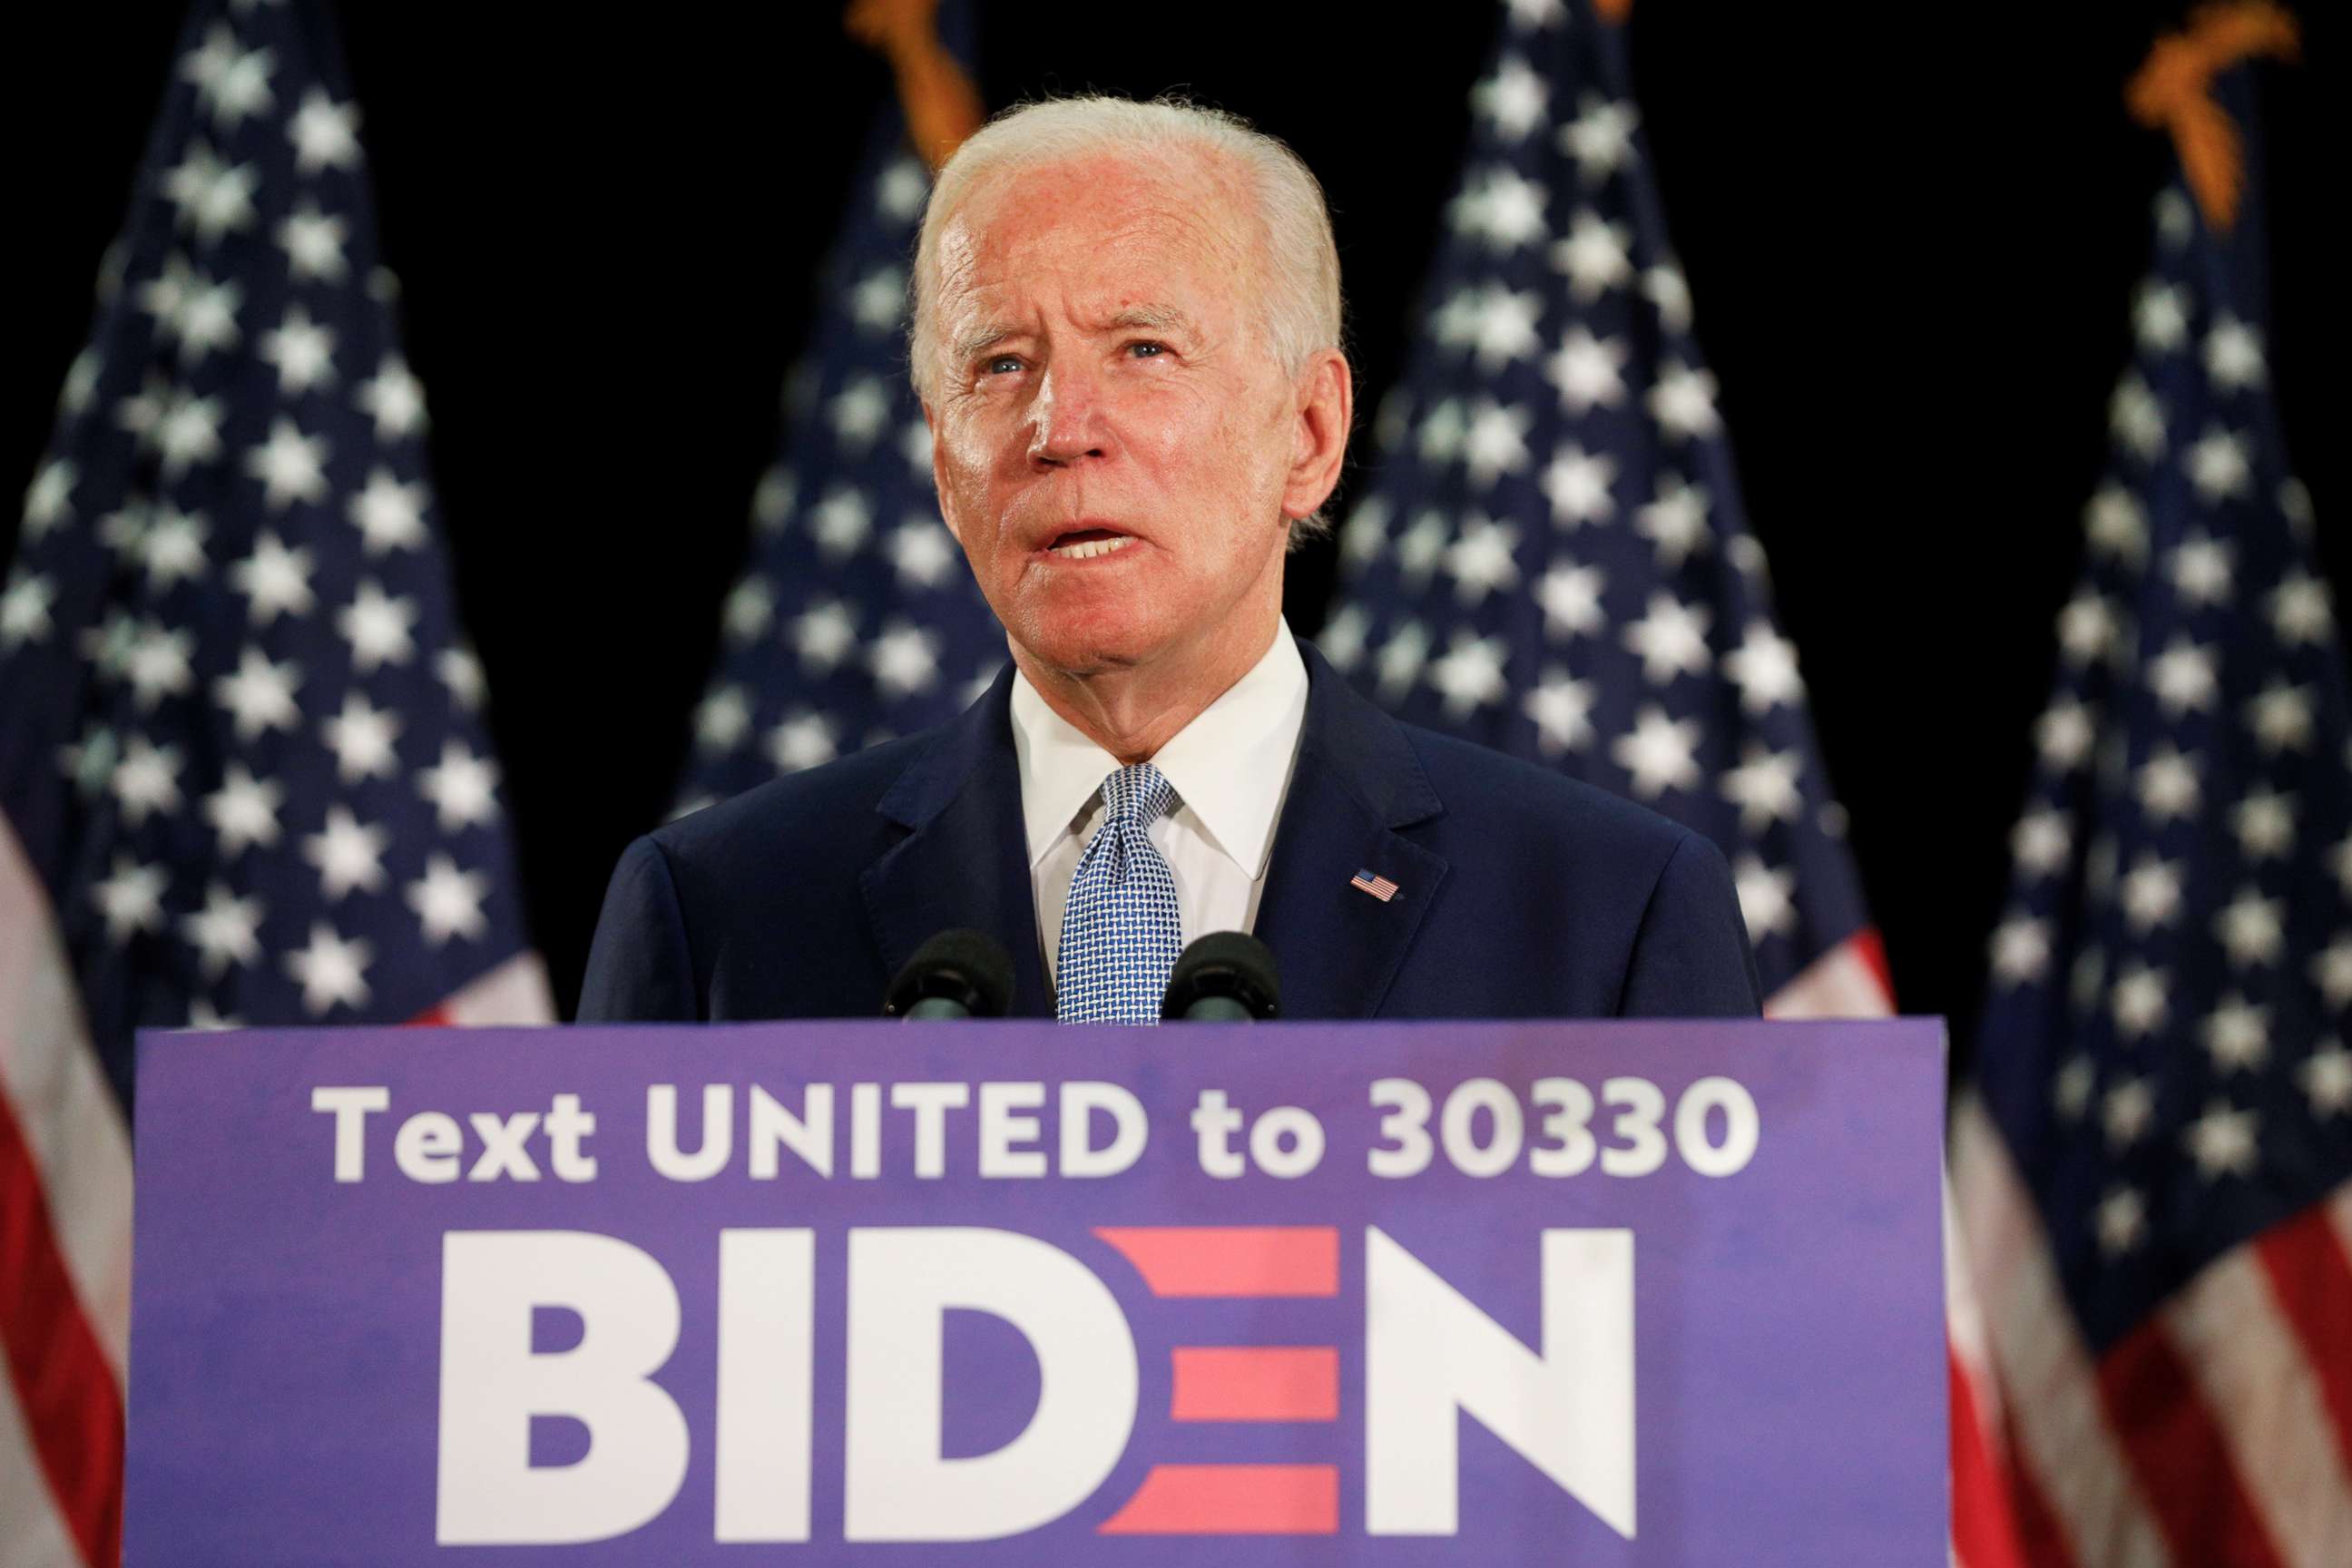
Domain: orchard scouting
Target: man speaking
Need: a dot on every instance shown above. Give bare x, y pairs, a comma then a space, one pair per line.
1125, 338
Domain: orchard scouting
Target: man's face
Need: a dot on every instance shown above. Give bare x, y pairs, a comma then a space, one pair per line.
1114, 444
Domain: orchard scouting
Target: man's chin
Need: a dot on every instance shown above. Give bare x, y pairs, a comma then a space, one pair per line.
1092, 640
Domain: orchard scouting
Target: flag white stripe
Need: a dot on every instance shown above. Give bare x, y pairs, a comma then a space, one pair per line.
2259, 1387
32, 1533
516, 991
50, 1077
1964, 1329
2063, 1438
1840, 984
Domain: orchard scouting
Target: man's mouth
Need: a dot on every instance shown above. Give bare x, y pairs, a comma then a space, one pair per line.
1085, 543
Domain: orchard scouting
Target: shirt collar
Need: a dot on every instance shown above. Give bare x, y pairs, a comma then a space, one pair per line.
1231, 765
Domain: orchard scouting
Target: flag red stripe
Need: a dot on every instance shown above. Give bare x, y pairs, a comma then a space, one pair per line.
64, 1386
1871, 947
2311, 1280
1983, 1533
2040, 1537
2179, 1455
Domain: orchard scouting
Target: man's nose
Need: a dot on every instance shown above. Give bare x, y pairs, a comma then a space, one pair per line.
1066, 424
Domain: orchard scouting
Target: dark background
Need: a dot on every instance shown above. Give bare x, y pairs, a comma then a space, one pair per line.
1911, 232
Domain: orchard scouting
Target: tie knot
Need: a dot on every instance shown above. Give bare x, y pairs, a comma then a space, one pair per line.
1136, 795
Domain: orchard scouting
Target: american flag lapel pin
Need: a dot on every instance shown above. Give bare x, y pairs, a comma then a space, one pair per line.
1380, 887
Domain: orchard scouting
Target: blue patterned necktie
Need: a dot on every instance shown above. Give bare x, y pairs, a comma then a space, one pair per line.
1119, 931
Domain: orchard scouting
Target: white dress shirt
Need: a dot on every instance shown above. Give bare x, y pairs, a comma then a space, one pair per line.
1229, 768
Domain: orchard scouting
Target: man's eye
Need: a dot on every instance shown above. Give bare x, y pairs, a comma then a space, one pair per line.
1147, 349
1002, 364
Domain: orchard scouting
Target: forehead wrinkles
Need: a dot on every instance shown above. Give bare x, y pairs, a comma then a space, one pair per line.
1098, 233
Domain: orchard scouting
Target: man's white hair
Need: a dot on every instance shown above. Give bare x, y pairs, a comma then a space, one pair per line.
1299, 263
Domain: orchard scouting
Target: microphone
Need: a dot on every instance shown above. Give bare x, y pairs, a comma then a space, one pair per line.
956, 975
1226, 977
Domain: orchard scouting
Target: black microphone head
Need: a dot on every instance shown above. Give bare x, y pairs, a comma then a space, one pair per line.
965, 970
1228, 966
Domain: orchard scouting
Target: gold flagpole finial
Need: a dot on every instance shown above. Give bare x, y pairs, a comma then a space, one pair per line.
2174, 91
942, 105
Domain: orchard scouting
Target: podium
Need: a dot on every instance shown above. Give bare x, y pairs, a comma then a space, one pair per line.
996, 1293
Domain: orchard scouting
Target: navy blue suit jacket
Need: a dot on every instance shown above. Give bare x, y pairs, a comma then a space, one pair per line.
1522, 894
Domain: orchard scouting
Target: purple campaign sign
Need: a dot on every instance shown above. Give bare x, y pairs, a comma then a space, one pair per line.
1008, 1293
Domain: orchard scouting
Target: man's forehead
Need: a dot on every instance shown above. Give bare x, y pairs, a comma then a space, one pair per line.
1180, 176
1113, 206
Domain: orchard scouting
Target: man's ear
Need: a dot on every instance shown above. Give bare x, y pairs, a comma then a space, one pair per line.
1326, 412
938, 491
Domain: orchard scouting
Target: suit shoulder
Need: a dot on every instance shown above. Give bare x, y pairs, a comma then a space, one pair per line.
833, 804
1484, 785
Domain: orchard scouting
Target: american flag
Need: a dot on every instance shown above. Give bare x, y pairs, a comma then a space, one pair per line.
242, 770
2153, 1164
856, 619
1552, 559
1380, 887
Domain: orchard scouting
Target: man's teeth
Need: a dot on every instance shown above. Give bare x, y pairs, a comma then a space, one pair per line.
1092, 547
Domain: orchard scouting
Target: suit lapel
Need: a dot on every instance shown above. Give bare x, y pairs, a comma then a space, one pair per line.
1357, 781
964, 862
